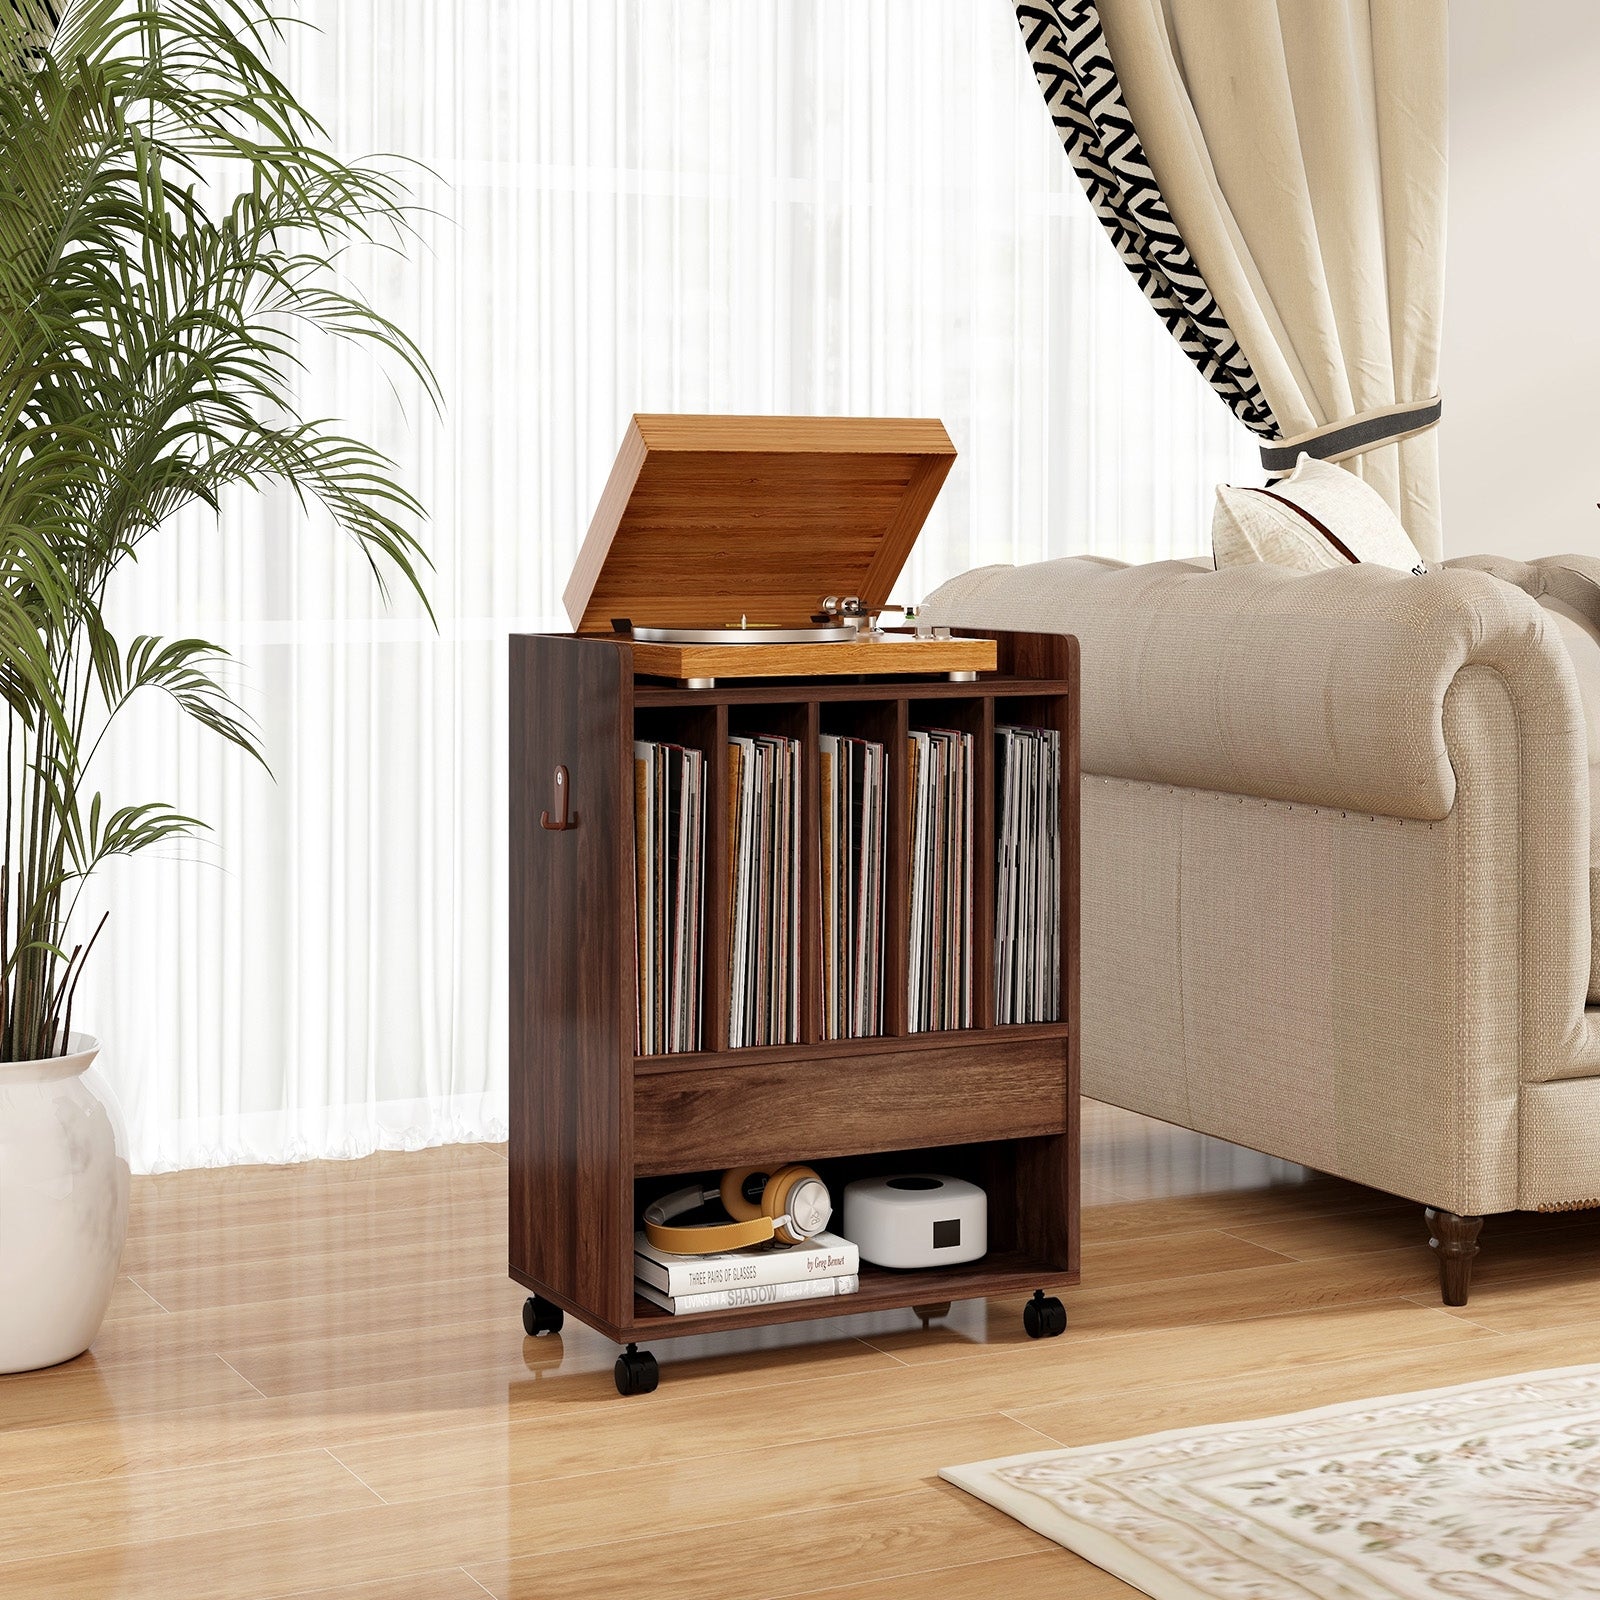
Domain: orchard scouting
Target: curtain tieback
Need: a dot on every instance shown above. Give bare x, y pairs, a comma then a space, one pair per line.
1336, 440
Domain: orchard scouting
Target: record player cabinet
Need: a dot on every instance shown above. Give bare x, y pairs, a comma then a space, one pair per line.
697, 511
595, 1128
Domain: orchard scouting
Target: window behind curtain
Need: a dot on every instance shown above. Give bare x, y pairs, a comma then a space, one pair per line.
653, 205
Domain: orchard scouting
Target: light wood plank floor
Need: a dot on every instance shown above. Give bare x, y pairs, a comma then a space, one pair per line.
314, 1382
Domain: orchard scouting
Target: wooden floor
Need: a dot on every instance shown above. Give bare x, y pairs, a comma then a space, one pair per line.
314, 1381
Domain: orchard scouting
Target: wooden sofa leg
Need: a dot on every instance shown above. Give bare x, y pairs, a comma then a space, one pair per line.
1455, 1241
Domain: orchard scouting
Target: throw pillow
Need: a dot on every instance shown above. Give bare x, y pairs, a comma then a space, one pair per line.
1319, 516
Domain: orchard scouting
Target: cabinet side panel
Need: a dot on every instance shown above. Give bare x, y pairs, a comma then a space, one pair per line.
571, 981
1047, 1173
1071, 913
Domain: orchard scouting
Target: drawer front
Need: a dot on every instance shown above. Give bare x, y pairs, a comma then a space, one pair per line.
848, 1105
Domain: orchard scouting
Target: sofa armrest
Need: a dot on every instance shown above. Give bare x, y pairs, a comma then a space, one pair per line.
1326, 688
1574, 580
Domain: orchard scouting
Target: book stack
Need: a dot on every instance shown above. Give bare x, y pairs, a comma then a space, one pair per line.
766, 1275
855, 810
1027, 919
669, 830
763, 890
939, 978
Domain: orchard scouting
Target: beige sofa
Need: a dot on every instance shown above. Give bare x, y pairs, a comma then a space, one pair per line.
1336, 866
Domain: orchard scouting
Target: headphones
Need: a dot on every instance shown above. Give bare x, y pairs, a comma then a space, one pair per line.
789, 1205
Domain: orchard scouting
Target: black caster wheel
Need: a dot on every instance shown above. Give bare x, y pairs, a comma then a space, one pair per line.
1044, 1317
541, 1316
636, 1371
932, 1313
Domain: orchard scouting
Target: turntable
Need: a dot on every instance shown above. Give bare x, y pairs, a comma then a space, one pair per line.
764, 547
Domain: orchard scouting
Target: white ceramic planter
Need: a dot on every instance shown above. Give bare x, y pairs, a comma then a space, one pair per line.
63, 1205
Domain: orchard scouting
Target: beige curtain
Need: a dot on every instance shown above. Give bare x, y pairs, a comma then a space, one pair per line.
1300, 146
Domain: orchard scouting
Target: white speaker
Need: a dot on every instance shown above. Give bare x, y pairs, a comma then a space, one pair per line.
916, 1219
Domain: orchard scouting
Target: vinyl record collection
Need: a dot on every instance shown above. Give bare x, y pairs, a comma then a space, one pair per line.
855, 807
1027, 917
764, 890
764, 819
939, 970
669, 815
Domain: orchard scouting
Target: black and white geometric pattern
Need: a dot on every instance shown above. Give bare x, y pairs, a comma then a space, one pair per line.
1073, 65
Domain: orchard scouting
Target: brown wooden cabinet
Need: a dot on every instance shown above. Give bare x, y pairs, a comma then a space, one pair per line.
597, 1131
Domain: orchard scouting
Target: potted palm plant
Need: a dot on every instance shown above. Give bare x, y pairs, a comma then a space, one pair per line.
169, 214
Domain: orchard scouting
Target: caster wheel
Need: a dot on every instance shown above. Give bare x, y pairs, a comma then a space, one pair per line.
540, 1316
1044, 1317
636, 1371
932, 1313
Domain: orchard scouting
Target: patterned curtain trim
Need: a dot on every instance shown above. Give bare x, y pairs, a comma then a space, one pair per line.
1337, 441
1073, 65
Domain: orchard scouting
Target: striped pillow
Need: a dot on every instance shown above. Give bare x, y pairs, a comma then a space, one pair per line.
1319, 516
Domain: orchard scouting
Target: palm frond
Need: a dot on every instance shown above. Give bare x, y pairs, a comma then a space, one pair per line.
150, 339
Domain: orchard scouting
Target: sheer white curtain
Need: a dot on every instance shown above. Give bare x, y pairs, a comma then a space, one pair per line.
708, 205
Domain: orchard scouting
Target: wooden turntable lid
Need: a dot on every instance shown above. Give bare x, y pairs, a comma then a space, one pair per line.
707, 518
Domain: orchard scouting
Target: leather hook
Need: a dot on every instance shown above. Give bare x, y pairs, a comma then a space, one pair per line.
564, 818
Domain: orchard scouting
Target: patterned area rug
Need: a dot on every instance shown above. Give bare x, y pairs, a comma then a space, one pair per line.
1486, 1491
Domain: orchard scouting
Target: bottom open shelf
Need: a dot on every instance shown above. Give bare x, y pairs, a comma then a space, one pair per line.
882, 1289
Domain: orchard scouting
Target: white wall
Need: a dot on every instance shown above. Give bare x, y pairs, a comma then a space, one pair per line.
1520, 440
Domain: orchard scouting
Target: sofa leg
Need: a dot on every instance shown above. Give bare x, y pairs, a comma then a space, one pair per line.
1455, 1241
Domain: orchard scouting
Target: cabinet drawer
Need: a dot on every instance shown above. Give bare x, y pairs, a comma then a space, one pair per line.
810, 1109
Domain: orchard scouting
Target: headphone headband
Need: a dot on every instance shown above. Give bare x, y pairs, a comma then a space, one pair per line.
774, 1219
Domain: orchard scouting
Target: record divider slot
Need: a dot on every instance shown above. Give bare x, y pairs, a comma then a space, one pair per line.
897, 900
1050, 708
796, 720
702, 727
884, 722
811, 877
973, 714
983, 870
717, 910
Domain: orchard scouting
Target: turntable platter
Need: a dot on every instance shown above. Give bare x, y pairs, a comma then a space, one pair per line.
747, 633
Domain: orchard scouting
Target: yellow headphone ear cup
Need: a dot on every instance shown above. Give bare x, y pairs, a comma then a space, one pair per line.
733, 1197
775, 1197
